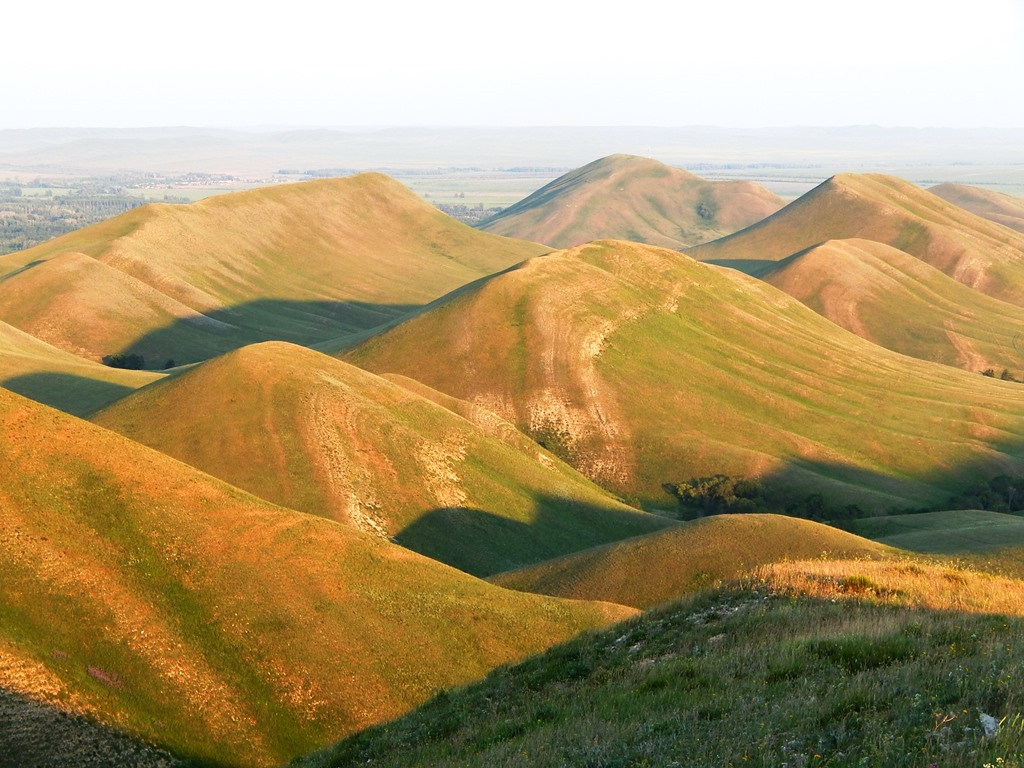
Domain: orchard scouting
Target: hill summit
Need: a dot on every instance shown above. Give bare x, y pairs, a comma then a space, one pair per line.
625, 197
301, 262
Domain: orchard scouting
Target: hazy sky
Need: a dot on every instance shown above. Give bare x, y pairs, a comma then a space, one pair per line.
744, 63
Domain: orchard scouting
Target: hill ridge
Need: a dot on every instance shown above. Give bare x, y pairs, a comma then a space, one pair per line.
287, 261
633, 198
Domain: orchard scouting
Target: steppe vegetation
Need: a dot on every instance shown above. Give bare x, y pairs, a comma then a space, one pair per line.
355, 471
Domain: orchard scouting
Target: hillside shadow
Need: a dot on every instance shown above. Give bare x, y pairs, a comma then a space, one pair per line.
753, 267
77, 395
306, 323
483, 543
36, 735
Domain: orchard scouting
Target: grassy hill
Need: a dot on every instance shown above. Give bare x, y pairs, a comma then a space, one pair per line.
814, 664
665, 566
904, 304
995, 206
966, 247
59, 379
626, 197
640, 366
299, 262
947, 532
173, 608
339, 442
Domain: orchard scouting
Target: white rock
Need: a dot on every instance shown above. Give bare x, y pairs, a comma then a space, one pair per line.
990, 725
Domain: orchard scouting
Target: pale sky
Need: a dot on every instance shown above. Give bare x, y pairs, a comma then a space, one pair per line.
737, 63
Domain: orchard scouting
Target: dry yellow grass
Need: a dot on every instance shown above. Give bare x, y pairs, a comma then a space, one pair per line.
342, 443
301, 262
909, 582
972, 250
904, 304
671, 564
174, 607
994, 206
640, 366
634, 198
57, 378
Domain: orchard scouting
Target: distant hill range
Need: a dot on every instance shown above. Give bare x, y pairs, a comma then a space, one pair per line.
897, 265
971, 250
995, 206
625, 197
302, 263
904, 304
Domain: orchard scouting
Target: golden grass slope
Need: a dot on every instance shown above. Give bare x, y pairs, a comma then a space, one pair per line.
626, 197
301, 262
653, 569
893, 299
321, 436
173, 607
971, 250
989, 204
59, 379
640, 366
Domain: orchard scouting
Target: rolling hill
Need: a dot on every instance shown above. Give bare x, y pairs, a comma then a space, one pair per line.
949, 532
299, 262
625, 197
59, 379
904, 304
994, 206
170, 607
640, 366
339, 442
814, 663
648, 570
967, 248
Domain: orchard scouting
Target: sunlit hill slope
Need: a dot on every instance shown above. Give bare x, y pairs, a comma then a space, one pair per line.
626, 197
171, 606
971, 250
995, 206
49, 375
299, 262
668, 565
904, 304
318, 435
640, 366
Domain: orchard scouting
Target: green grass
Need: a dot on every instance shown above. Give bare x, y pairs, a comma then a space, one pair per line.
966, 247
948, 533
903, 304
301, 262
736, 677
345, 444
651, 368
176, 609
650, 570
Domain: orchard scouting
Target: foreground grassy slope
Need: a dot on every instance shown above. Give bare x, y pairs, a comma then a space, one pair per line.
300, 262
814, 664
173, 607
904, 304
59, 379
340, 442
669, 565
972, 250
994, 206
640, 366
634, 198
